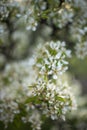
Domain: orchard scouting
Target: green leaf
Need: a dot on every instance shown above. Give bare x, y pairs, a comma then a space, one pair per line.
33, 99
60, 98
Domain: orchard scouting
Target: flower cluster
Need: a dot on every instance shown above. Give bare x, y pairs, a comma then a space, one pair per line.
6, 7
55, 100
81, 49
8, 110
13, 89
30, 19
78, 29
79, 35
62, 17
51, 60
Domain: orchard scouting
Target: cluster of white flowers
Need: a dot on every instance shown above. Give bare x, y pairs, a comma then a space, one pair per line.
55, 99
78, 29
78, 32
51, 59
62, 17
6, 7
8, 110
29, 18
79, 35
81, 50
13, 83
